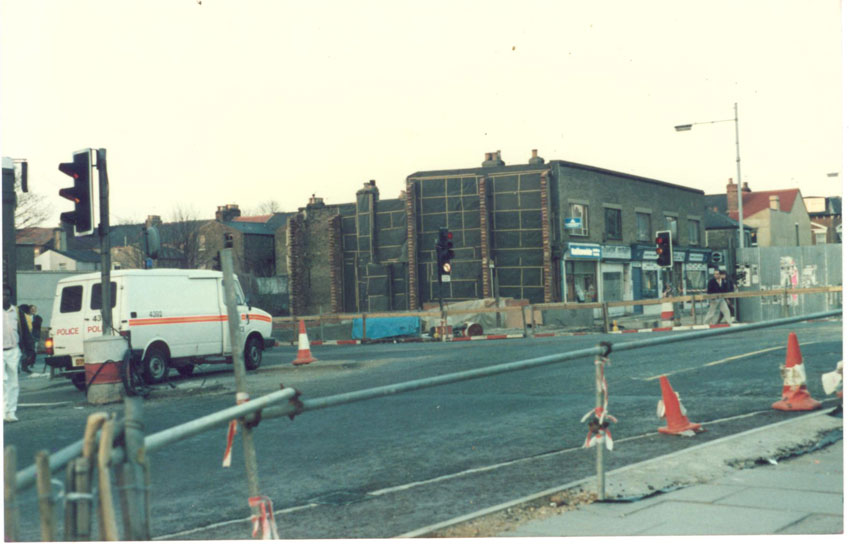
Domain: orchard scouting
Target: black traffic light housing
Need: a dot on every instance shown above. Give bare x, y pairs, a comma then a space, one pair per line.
444, 254
663, 248
82, 218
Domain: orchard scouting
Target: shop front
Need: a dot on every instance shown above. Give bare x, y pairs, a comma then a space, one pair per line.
580, 273
696, 271
615, 277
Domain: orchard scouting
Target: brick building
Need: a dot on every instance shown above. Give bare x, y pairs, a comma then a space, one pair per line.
541, 231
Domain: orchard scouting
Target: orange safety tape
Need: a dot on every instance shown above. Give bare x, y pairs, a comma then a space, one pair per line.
231, 430
265, 520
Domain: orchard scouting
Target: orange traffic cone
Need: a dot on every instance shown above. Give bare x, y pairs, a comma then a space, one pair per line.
304, 356
795, 395
677, 423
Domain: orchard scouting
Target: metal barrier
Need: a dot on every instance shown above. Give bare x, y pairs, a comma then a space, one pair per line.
128, 448
604, 307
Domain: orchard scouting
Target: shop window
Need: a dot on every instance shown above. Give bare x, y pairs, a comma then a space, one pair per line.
580, 211
649, 284
697, 281
693, 232
613, 224
581, 282
612, 283
644, 227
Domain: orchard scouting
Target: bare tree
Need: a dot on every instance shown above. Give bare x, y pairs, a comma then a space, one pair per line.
268, 207
32, 210
182, 235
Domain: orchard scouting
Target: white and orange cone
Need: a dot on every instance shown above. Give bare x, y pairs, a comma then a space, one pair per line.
667, 314
304, 356
677, 422
795, 395
832, 380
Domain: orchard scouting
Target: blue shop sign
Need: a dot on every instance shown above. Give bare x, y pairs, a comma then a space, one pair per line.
585, 251
572, 222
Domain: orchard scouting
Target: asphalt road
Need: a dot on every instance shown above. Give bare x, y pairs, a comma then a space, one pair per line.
386, 466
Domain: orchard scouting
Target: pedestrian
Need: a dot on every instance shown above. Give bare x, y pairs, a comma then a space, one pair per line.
15, 337
729, 288
35, 329
717, 285
27, 339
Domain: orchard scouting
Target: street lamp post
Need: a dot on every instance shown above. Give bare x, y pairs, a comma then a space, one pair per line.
682, 128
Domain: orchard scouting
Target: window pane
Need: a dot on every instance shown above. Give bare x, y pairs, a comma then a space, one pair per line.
643, 227
97, 296
579, 210
612, 224
72, 299
693, 232
673, 227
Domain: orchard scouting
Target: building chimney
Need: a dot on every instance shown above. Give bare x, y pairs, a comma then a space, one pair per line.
746, 188
534, 158
774, 202
153, 221
732, 199
226, 213
60, 239
316, 202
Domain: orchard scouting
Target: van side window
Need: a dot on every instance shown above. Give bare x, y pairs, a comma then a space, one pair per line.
72, 299
97, 296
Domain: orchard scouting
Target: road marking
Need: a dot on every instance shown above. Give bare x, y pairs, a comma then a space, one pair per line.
719, 362
41, 404
410, 485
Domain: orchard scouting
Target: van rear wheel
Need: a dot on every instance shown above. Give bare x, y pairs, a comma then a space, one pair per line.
79, 381
155, 365
253, 353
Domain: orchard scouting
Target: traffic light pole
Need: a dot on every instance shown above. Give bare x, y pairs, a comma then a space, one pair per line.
105, 249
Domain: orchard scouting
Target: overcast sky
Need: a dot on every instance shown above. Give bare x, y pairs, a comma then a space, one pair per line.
203, 104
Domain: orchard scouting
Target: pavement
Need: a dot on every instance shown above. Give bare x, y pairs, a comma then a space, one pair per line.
796, 490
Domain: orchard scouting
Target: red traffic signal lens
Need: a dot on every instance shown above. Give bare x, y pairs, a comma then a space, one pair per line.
449, 235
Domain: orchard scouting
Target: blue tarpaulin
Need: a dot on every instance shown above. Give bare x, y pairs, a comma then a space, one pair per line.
385, 327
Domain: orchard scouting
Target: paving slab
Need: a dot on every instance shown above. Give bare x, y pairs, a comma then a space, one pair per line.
783, 481
809, 502
694, 518
816, 524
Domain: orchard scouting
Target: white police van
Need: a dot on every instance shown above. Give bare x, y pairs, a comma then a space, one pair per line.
171, 318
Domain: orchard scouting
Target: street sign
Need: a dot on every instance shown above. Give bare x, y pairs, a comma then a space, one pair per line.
572, 222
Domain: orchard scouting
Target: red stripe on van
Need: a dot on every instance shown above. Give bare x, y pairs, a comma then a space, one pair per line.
177, 320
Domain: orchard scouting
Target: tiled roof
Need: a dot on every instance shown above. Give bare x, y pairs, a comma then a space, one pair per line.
80, 255
34, 235
754, 201
254, 218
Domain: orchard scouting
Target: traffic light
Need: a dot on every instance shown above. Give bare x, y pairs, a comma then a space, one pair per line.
81, 193
444, 254
663, 249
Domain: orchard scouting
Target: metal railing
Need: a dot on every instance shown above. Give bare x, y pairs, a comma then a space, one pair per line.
130, 447
529, 311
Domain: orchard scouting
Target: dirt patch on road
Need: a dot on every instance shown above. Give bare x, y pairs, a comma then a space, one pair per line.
509, 519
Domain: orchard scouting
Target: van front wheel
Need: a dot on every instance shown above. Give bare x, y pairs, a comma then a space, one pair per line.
253, 353
155, 365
